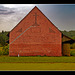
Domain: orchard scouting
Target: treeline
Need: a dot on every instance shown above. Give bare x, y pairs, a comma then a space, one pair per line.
70, 34
4, 47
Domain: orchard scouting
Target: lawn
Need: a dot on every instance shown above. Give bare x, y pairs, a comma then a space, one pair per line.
63, 59
37, 66
37, 63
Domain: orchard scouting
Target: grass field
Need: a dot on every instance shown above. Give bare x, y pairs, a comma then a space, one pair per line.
62, 59
37, 63
37, 66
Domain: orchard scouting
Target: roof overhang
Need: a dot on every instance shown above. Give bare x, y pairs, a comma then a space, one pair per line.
68, 41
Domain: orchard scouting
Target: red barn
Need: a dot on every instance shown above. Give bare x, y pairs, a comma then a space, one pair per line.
35, 35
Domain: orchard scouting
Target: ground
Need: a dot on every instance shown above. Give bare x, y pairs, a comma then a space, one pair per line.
38, 63
37, 66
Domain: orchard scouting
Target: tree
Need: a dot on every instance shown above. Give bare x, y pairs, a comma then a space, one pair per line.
2, 40
2, 31
73, 37
5, 50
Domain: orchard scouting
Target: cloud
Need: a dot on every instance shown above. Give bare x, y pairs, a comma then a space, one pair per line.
60, 15
10, 17
5, 10
5, 13
18, 5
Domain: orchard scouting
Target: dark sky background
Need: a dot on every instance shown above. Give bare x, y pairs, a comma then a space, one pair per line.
61, 15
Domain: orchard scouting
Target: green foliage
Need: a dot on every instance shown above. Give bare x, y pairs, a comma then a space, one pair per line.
72, 46
72, 52
3, 38
73, 37
5, 50
1, 52
3, 44
69, 33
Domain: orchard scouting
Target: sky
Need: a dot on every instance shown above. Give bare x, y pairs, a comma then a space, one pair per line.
61, 15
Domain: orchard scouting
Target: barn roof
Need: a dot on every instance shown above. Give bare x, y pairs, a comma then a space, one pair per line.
66, 39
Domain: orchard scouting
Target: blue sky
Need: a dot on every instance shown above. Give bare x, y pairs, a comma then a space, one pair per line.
61, 15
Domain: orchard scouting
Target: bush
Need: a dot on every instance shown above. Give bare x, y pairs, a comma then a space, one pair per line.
5, 50
1, 52
72, 52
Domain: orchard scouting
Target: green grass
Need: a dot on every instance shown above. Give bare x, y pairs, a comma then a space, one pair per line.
54, 63
72, 52
36, 66
62, 59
